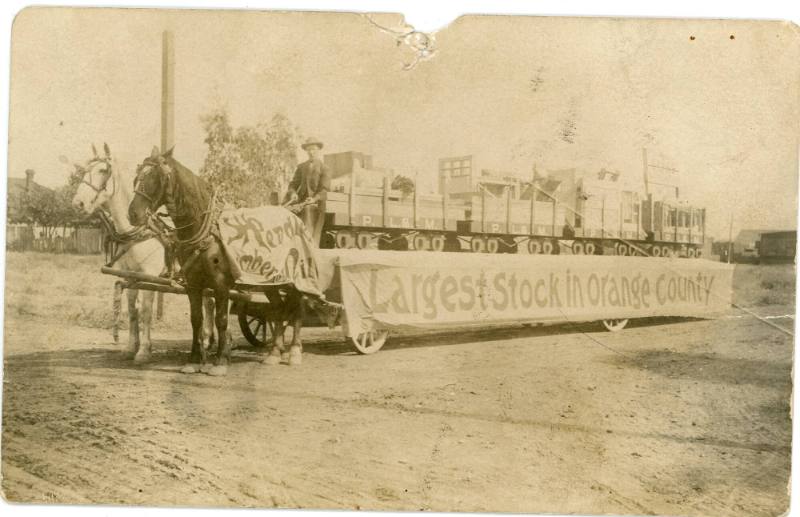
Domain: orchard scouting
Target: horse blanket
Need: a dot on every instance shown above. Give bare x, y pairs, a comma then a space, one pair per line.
269, 245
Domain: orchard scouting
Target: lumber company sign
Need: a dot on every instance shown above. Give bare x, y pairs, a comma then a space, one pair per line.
269, 245
429, 290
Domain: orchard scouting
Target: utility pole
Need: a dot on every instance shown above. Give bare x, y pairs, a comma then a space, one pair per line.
167, 115
167, 90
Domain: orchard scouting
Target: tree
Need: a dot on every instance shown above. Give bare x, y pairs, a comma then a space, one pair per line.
49, 209
403, 184
247, 164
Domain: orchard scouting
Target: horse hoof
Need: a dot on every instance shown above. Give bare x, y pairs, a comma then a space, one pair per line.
295, 359
141, 358
191, 368
218, 370
285, 357
272, 359
206, 368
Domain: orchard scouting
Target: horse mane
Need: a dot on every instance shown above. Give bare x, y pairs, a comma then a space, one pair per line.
124, 178
190, 192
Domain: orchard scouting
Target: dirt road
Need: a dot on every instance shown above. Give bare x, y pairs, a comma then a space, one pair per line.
667, 417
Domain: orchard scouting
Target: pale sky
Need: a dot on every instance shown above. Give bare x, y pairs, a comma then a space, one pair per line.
723, 112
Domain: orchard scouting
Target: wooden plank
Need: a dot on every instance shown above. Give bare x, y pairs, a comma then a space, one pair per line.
135, 275
639, 213
603, 216
445, 202
508, 209
159, 288
483, 210
351, 202
416, 198
385, 203
533, 203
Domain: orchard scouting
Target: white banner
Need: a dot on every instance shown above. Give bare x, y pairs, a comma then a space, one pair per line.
270, 245
423, 289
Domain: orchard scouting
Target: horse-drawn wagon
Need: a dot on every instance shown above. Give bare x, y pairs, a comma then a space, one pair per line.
256, 308
262, 260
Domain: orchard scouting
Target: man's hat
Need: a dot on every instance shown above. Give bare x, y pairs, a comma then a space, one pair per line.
311, 141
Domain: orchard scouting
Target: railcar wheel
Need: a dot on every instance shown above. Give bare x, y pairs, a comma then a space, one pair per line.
690, 253
534, 247
548, 248
656, 251
590, 248
345, 239
254, 328
363, 240
422, 242
437, 243
478, 245
615, 325
622, 249
492, 244
369, 342
577, 248
666, 251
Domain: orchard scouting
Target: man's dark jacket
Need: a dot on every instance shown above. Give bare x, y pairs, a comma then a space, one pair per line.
311, 178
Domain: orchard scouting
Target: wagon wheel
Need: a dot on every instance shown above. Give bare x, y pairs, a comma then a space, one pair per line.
254, 327
615, 325
369, 342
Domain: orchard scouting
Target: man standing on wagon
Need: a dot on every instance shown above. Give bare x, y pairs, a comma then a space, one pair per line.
307, 190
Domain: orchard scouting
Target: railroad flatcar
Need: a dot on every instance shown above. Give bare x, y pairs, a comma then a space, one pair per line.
480, 211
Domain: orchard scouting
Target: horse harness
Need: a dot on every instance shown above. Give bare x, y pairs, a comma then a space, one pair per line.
118, 243
103, 188
195, 245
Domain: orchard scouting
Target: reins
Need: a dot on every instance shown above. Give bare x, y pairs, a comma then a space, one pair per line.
193, 245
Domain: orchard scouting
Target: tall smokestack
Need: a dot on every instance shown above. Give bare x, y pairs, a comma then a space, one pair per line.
29, 178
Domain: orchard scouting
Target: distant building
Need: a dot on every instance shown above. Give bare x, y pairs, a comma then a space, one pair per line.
24, 235
778, 247
465, 179
346, 164
747, 244
20, 233
17, 189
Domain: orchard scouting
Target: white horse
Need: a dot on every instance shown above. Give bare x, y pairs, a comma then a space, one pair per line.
106, 186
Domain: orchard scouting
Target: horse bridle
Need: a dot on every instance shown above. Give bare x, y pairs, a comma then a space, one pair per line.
152, 217
103, 188
140, 174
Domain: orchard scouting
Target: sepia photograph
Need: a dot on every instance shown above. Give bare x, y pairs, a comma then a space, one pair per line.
327, 261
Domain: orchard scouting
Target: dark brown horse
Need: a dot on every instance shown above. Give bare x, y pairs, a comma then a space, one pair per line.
163, 181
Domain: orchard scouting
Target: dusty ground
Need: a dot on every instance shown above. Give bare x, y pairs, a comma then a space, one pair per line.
667, 417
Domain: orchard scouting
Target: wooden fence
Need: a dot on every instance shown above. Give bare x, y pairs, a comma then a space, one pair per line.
82, 241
